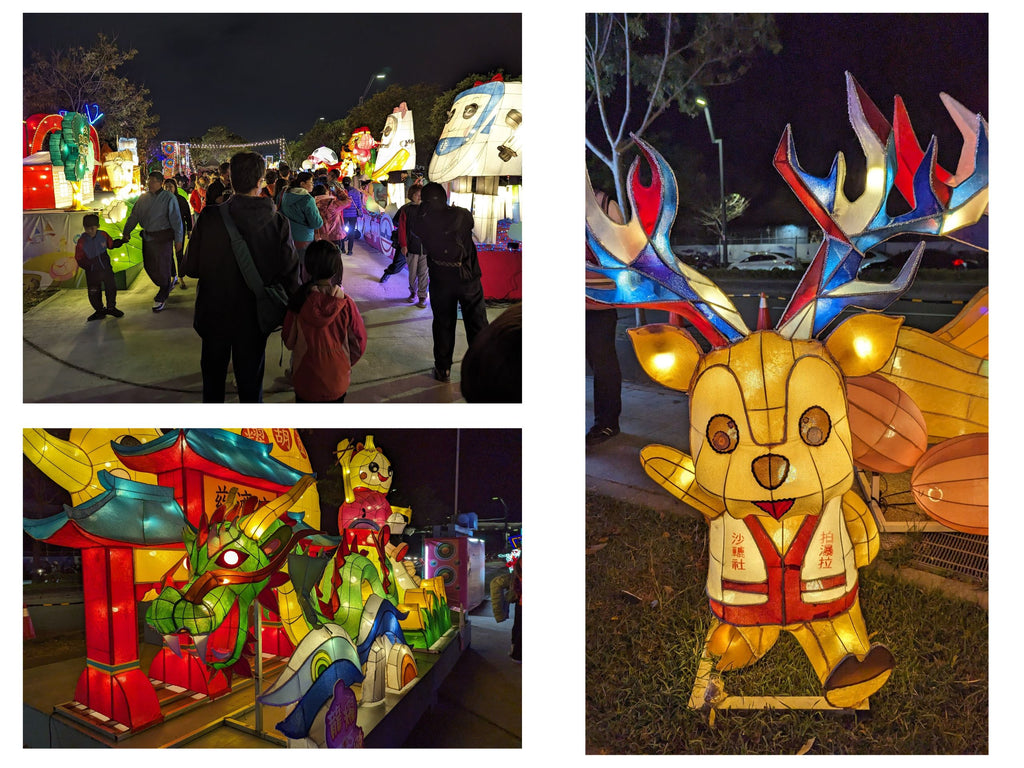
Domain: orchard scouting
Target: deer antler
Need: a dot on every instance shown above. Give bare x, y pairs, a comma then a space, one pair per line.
942, 203
638, 258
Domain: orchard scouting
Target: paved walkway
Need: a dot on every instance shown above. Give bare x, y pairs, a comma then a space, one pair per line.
650, 414
145, 357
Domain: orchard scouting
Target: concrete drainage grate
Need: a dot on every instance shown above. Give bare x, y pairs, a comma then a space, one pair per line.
962, 553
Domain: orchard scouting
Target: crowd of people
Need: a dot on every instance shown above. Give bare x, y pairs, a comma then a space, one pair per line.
267, 247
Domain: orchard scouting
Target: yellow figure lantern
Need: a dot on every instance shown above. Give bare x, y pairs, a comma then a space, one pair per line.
772, 440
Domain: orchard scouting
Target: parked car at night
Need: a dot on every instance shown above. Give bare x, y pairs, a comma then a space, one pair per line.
767, 261
697, 259
876, 262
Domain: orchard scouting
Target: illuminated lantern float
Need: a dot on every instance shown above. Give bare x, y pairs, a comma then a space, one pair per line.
479, 157
346, 610
61, 167
386, 162
771, 464
133, 491
367, 521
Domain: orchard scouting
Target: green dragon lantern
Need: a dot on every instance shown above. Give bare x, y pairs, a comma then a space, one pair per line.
232, 559
71, 148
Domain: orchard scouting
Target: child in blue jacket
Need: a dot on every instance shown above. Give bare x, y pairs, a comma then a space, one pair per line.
91, 255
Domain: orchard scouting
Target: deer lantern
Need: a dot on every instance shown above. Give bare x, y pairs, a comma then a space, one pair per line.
770, 463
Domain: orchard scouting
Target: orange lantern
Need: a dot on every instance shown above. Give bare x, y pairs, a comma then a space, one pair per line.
950, 483
888, 429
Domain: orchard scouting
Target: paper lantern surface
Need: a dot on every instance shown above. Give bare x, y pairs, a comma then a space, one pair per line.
888, 429
951, 483
481, 135
397, 148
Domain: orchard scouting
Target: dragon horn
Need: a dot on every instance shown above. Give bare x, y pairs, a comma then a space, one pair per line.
255, 524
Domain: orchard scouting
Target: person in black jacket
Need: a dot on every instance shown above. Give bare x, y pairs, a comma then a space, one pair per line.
225, 313
447, 235
186, 221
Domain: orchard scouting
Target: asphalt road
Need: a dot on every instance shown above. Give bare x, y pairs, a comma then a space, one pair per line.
928, 305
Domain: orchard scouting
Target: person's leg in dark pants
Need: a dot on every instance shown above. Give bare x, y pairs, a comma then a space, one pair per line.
110, 289
517, 633
474, 310
444, 300
604, 362
248, 355
350, 228
213, 363
94, 285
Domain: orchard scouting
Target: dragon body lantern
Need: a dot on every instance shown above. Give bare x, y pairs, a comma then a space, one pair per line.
770, 463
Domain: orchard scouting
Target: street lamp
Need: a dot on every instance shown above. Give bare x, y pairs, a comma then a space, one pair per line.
702, 102
376, 76
498, 498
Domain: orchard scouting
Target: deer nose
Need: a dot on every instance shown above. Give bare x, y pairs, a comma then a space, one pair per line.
770, 470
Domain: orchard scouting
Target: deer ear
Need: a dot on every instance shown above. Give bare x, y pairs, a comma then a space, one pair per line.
863, 343
668, 354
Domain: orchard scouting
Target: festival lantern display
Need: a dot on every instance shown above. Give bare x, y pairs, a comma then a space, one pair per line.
130, 504
60, 162
367, 521
396, 153
321, 157
771, 433
480, 143
201, 524
479, 158
61, 168
951, 483
887, 427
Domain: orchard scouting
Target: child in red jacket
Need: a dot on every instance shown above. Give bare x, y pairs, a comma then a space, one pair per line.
324, 329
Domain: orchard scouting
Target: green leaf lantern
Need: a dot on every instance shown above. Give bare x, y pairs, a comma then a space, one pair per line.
70, 146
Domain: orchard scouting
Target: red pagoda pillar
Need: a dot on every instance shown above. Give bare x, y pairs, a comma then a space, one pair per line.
113, 683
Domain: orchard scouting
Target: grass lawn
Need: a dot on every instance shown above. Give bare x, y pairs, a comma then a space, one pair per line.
647, 616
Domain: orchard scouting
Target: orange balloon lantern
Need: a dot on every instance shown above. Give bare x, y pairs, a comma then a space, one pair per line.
888, 429
950, 483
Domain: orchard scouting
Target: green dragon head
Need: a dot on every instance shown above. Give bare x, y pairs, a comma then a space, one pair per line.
232, 557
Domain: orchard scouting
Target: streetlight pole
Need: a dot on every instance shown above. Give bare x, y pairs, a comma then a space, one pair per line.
702, 102
498, 498
375, 76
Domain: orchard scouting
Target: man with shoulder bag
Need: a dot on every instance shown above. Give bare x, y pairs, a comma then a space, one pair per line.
244, 258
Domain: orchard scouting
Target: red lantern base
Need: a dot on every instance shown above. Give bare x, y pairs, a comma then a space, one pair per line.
188, 672
123, 695
275, 640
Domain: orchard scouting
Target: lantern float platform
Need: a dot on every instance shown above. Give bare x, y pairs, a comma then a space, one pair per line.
194, 720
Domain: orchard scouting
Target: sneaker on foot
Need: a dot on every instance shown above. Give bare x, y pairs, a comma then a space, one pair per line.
181, 284
599, 434
384, 277
99, 314
114, 312
442, 376
173, 281
421, 304
412, 298
159, 306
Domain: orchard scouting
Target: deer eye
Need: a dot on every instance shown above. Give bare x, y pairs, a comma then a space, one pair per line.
815, 426
722, 434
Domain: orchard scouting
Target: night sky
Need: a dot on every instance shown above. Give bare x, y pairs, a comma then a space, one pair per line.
916, 56
424, 464
266, 76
